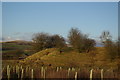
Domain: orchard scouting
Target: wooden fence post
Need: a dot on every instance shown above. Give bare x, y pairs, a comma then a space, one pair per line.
75, 75
101, 74
91, 74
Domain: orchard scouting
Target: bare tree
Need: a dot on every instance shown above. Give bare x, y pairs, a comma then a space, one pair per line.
111, 47
105, 36
40, 41
79, 41
58, 41
43, 40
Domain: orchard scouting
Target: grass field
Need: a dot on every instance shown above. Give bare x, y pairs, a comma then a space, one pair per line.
52, 59
14, 49
95, 59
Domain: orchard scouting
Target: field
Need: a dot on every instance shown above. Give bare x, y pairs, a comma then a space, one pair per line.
13, 50
69, 64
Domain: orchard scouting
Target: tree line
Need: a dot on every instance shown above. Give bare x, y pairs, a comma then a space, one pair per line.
76, 41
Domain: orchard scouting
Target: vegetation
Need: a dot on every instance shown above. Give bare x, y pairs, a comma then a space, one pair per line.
79, 41
12, 50
27, 72
51, 51
111, 47
95, 58
43, 41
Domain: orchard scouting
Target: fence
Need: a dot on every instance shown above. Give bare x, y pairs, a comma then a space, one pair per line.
20, 72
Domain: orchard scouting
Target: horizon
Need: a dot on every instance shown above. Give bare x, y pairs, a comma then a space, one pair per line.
22, 19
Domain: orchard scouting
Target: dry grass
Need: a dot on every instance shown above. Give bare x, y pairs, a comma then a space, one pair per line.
52, 57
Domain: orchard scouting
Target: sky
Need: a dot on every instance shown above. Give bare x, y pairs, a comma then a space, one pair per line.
20, 20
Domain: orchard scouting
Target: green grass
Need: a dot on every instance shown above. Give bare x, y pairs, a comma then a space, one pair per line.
14, 46
15, 49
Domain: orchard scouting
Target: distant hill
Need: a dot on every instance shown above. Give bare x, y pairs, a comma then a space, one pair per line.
18, 42
16, 49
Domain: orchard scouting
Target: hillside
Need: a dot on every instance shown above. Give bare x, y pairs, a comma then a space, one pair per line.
15, 49
52, 57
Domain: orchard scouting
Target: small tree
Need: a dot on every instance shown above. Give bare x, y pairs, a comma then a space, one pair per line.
40, 41
75, 39
105, 36
89, 44
79, 41
43, 40
58, 41
110, 46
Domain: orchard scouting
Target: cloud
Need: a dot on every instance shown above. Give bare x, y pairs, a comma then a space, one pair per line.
17, 36
8, 38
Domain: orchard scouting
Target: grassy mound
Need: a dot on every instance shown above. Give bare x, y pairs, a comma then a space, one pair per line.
53, 58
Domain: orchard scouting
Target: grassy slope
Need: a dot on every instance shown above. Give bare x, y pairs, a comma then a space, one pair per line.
69, 59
